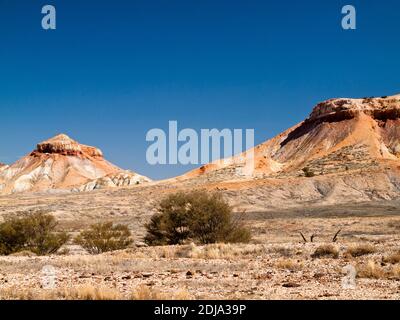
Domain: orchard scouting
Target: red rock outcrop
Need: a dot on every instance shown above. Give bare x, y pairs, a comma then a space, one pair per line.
62, 163
339, 135
62, 144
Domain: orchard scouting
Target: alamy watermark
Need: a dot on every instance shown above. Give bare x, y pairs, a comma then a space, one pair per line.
349, 280
349, 21
49, 277
49, 18
187, 146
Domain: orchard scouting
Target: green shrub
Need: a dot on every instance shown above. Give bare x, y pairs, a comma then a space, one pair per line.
156, 231
198, 216
34, 232
103, 237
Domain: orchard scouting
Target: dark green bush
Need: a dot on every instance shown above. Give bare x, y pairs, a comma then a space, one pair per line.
198, 216
156, 231
103, 237
34, 232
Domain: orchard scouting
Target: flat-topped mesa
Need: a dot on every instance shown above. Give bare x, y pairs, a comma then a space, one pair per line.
64, 145
339, 109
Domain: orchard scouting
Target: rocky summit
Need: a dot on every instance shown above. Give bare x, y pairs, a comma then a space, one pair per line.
346, 150
62, 163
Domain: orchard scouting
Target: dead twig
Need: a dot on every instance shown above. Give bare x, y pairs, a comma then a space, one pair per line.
336, 236
304, 238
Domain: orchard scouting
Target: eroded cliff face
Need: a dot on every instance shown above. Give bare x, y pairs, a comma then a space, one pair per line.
61, 163
370, 106
339, 135
63, 145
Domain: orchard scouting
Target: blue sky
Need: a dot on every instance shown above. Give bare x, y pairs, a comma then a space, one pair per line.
115, 69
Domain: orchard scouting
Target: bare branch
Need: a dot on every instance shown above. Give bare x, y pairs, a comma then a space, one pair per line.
336, 236
304, 238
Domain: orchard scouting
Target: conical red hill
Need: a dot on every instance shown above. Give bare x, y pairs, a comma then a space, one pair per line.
62, 163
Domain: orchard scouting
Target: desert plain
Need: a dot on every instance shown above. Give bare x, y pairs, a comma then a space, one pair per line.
277, 264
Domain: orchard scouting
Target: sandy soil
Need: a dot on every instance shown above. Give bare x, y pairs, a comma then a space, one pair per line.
276, 265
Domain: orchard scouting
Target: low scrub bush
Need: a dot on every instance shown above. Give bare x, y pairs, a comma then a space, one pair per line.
197, 216
103, 237
33, 233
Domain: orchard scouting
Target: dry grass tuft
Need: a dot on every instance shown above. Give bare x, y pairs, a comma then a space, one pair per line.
395, 224
289, 264
370, 270
23, 253
219, 251
168, 252
90, 292
393, 258
326, 251
144, 292
15, 293
395, 272
82, 292
182, 294
360, 250
373, 270
283, 251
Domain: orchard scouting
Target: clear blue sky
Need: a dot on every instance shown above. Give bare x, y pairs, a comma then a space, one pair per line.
115, 69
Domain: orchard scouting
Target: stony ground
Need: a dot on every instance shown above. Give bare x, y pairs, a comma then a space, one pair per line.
276, 265
212, 272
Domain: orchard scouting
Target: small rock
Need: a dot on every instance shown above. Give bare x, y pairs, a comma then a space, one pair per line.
141, 245
318, 275
146, 275
291, 285
189, 274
